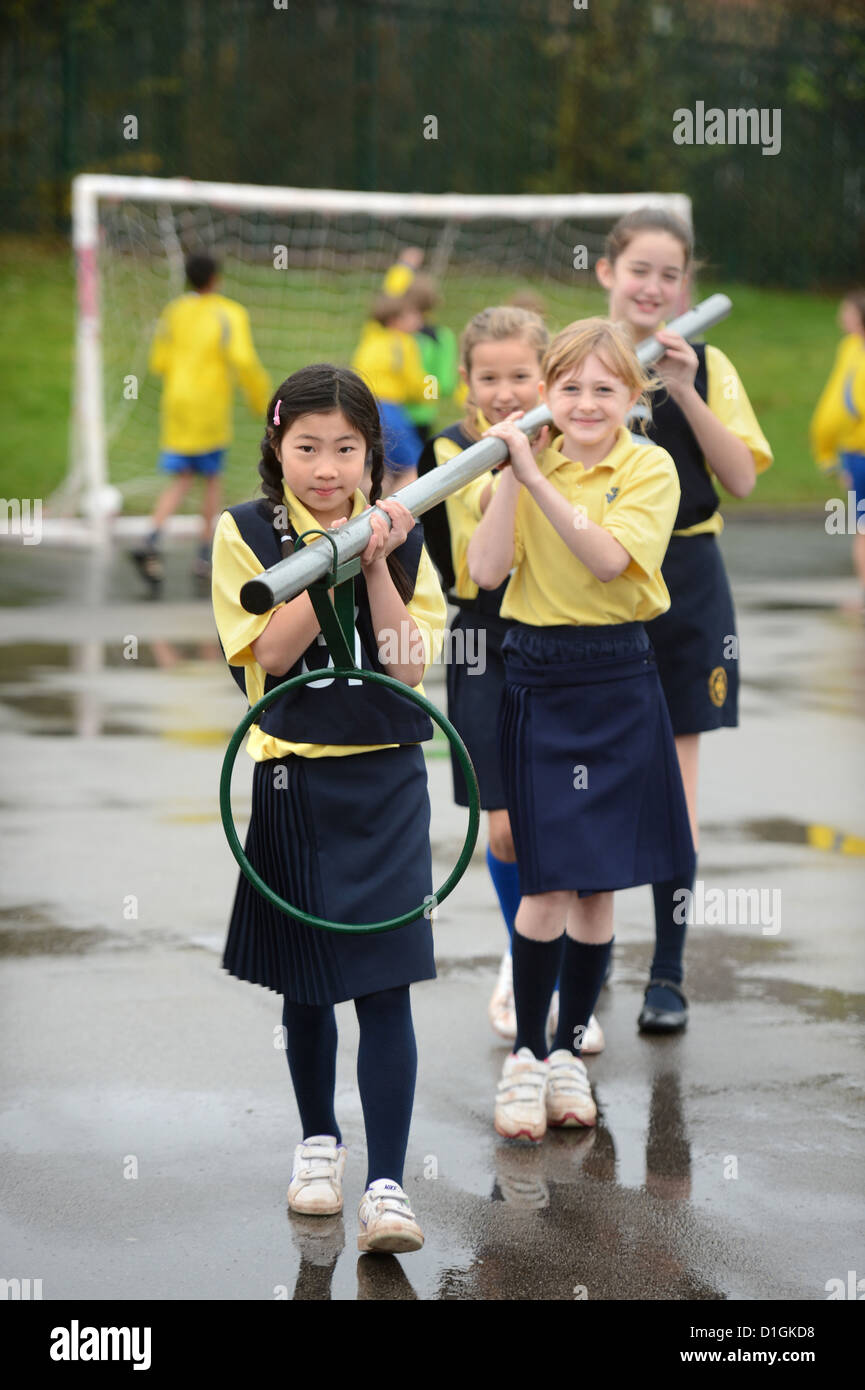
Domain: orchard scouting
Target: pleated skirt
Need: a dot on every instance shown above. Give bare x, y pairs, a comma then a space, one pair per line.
695, 641
475, 688
592, 779
346, 839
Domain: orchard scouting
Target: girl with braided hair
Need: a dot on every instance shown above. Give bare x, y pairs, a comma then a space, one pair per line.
340, 808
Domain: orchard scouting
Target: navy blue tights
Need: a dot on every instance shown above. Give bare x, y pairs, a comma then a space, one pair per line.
386, 1072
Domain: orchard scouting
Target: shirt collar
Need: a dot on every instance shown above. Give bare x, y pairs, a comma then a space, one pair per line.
303, 520
552, 458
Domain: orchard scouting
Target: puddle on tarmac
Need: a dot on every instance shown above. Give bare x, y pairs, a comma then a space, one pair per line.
27, 931
31, 930
780, 830
27, 667
21, 662
59, 716
769, 605
721, 968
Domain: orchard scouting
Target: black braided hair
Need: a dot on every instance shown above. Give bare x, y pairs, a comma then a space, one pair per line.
321, 389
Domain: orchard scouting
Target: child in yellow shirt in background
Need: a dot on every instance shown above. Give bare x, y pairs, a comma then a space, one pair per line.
436, 342
838, 423
202, 345
389, 360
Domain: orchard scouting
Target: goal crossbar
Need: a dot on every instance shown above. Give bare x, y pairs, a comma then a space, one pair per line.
87, 189
89, 473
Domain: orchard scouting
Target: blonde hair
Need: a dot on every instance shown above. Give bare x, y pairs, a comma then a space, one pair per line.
607, 340
494, 326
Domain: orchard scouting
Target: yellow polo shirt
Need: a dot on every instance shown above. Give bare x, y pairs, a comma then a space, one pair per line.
234, 563
463, 510
634, 494
728, 401
390, 363
838, 423
201, 347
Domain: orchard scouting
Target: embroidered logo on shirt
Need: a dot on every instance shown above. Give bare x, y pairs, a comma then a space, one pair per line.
613, 492
718, 686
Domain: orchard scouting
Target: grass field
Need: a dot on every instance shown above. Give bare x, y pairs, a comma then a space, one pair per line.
781, 343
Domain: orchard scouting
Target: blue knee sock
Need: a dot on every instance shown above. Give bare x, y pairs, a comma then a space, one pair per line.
669, 941
536, 967
506, 881
584, 966
386, 1072
310, 1046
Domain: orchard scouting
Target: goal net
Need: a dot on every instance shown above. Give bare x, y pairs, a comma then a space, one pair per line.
306, 264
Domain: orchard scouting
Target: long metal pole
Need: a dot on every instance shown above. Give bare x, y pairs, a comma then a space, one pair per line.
295, 573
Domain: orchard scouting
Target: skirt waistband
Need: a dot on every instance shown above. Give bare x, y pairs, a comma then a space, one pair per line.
580, 673
576, 655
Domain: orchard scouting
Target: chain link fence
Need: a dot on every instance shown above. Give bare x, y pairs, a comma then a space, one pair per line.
481, 96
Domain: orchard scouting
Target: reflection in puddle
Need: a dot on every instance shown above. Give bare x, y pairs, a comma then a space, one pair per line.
85, 709
547, 1228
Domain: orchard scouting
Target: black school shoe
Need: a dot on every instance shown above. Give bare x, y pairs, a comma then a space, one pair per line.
202, 573
654, 1020
151, 568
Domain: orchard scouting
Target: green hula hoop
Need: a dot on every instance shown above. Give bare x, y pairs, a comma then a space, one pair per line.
350, 673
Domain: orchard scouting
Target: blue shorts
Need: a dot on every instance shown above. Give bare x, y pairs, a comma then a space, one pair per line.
206, 464
402, 443
854, 465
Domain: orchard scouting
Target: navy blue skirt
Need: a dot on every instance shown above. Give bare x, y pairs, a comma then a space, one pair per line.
346, 839
475, 687
695, 641
593, 786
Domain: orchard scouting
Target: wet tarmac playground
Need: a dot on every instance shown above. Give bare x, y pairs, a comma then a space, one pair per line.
148, 1122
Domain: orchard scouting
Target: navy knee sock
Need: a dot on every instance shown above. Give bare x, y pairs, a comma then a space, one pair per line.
584, 966
669, 941
310, 1046
506, 881
536, 967
386, 1072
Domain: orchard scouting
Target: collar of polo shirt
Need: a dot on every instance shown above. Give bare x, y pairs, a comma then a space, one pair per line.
552, 458
302, 520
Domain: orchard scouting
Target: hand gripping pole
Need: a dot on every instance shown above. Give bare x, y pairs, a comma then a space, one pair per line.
296, 572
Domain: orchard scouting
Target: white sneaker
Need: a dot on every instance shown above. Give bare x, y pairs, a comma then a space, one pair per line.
316, 1177
593, 1040
502, 1014
521, 1097
553, 1015
569, 1098
387, 1221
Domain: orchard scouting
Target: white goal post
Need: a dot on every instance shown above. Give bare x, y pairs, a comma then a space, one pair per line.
345, 239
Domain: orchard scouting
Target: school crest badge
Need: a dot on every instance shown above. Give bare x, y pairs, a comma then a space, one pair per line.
718, 686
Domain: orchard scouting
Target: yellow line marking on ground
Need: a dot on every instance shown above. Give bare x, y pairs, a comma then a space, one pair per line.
827, 838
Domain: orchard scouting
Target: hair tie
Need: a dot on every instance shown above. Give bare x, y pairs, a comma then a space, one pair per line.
276, 413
